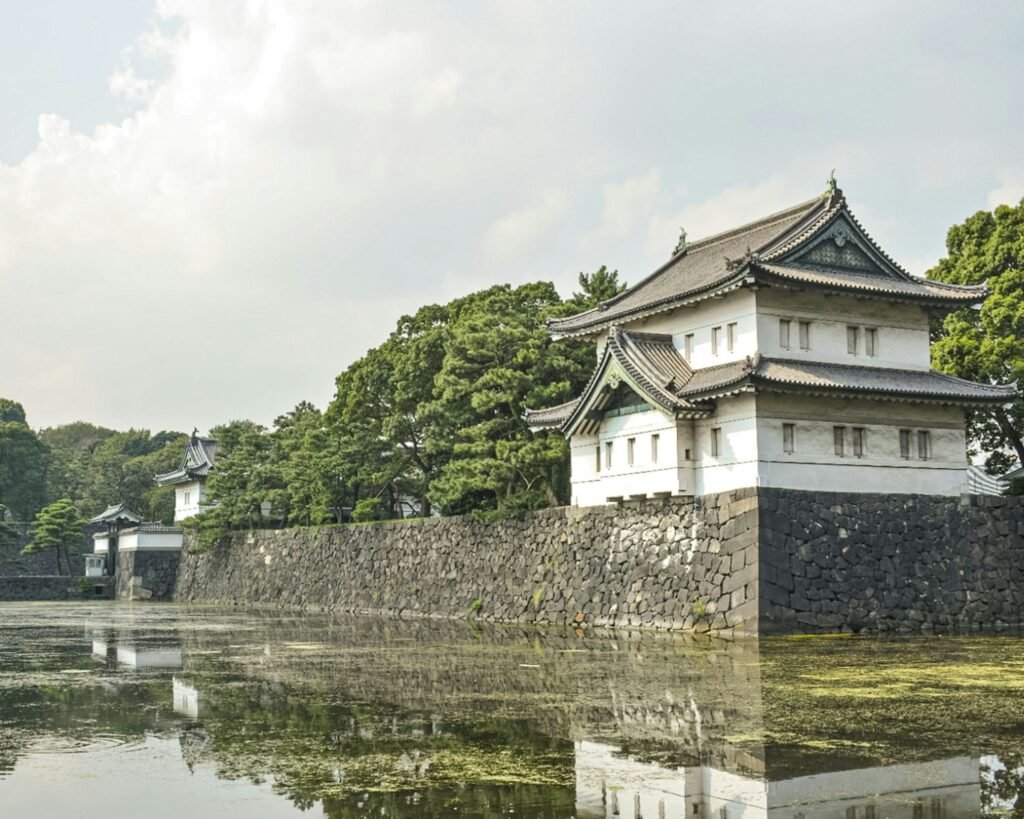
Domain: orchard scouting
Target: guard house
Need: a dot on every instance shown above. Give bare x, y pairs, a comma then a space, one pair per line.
789, 352
116, 518
189, 479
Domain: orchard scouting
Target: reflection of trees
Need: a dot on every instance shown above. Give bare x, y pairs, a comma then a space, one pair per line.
355, 753
1002, 787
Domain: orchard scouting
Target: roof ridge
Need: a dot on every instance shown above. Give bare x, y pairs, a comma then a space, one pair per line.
700, 244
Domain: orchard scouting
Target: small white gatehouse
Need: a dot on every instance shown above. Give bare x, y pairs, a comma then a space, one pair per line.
789, 352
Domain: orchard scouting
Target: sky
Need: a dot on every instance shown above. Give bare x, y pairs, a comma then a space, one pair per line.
208, 210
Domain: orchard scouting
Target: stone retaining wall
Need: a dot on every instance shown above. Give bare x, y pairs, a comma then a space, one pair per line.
747, 561
43, 587
146, 575
658, 564
889, 562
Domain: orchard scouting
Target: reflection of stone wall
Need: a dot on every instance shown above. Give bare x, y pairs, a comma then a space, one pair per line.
890, 562
146, 575
658, 564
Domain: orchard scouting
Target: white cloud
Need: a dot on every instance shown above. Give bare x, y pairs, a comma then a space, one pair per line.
628, 205
1010, 189
516, 232
727, 209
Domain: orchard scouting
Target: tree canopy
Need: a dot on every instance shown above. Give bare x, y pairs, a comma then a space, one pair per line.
987, 345
24, 459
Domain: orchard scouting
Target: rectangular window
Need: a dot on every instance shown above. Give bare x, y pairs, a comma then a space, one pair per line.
715, 332
654, 448
860, 441
852, 340
597, 458
924, 444
716, 441
869, 812
688, 347
784, 333
851, 812
839, 436
608, 455
630, 450
730, 336
870, 341
788, 434
805, 335
905, 444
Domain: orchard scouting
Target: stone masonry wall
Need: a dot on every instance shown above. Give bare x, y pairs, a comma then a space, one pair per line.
659, 564
889, 562
748, 561
46, 587
142, 575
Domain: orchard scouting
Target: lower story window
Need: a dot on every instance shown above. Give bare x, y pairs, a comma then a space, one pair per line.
788, 438
905, 444
608, 455
716, 441
924, 444
597, 458
630, 450
654, 448
839, 437
860, 442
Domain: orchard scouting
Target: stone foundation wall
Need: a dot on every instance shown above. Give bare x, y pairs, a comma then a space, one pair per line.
889, 562
658, 564
43, 587
747, 561
142, 575
14, 564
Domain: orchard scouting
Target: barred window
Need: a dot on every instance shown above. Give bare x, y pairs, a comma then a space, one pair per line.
852, 340
924, 444
860, 442
805, 335
839, 436
905, 444
788, 438
716, 441
784, 325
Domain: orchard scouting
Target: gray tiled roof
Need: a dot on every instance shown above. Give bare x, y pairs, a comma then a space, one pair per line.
115, 513
199, 458
844, 378
551, 416
698, 268
650, 361
764, 251
915, 288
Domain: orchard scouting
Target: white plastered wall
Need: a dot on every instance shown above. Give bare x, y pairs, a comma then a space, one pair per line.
903, 341
187, 500
738, 307
149, 542
737, 462
814, 464
670, 474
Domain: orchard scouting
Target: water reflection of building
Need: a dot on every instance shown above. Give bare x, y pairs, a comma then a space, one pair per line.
125, 651
611, 786
187, 699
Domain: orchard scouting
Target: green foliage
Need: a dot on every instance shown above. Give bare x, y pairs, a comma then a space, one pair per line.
987, 345
23, 463
58, 526
597, 287
366, 510
475, 605
11, 412
8, 534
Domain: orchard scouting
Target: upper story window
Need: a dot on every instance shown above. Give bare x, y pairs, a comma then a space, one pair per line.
608, 455
839, 439
688, 347
730, 336
805, 335
630, 450
870, 341
784, 325
716, 332
597, 458
716, 441
852, 339
905, 444
188, 498
654, 448
788, 438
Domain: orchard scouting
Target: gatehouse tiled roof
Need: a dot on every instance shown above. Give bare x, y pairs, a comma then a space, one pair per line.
118, 513
773, 250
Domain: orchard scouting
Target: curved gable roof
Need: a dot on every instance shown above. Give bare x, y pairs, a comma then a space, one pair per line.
818, 243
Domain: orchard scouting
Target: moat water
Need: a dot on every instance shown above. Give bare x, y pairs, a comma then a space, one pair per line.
111, 710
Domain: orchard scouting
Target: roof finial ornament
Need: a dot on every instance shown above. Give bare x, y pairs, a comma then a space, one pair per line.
831, 186
681, 244
195, 432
